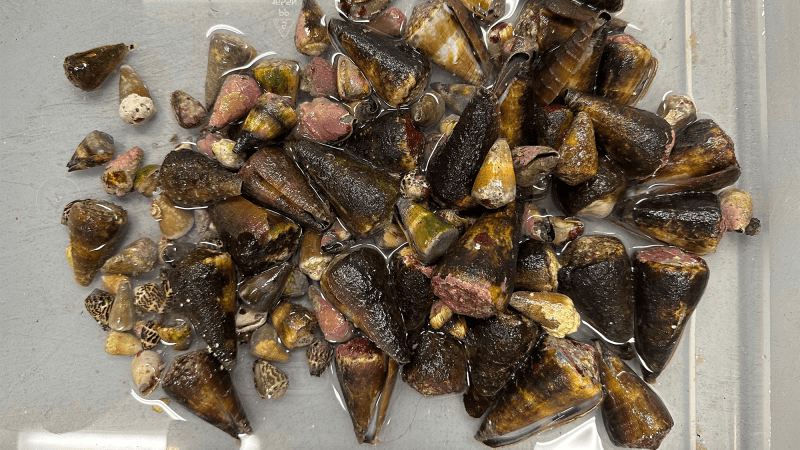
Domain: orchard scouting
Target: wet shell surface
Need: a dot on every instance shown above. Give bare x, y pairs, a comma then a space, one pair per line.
98, 304
150, 297
147, 368
148, 334
318, 355
270, 381
122, 344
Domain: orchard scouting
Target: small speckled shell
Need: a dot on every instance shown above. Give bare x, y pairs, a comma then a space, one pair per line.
270, 381
150, 297
318, 355
149, 335
98, 303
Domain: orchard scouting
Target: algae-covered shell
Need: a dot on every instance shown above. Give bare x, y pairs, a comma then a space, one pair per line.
279, 76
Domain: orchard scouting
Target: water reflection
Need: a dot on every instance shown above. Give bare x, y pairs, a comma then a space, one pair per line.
583, 437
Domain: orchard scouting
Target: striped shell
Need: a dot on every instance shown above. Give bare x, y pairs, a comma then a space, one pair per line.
149, 335
270, 381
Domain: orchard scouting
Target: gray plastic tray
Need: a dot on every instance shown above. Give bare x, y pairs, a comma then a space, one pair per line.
60, 390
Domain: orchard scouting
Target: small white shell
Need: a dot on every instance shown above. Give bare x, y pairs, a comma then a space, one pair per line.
136, 109
146, 368
249, 320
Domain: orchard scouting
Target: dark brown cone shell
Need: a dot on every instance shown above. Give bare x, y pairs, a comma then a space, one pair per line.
362, 196
357, 284
668, 284
703, 159
689, 220
633, 414
397, 71
190, 179
453, 167
596, 275
197, 381
638, 141
261, 292
438, 364
496, 348
203, 285
255, 237
595, 197
537, 267
88, 70
551, 124
412, 287
391, 142
626, 70
558, 384
271, 179
361, 368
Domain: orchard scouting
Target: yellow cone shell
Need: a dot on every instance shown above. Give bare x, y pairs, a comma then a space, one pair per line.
495, 185
434, 30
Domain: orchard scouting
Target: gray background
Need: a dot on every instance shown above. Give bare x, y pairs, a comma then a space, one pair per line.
733, 383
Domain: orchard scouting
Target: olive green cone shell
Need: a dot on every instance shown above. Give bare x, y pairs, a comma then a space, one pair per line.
429, 235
